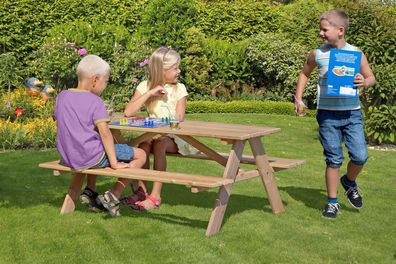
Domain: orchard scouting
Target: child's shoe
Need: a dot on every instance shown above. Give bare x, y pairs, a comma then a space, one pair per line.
111, 203
138, 195
89, 198
331, 211
352, 193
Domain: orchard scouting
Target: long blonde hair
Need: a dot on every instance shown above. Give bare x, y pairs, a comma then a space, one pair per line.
162, 59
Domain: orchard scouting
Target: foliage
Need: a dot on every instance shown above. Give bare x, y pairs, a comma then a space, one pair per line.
381, 125
236, 20
267, 107
9, 72
230, 66
276, 61
196, 64
23, 25
165, 22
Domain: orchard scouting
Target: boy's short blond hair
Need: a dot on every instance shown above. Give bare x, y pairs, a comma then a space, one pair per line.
336, 17
92, 65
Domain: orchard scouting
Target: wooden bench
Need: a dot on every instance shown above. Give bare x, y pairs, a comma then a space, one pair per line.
189, 180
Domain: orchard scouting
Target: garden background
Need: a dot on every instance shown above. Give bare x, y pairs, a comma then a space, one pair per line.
244, 51
240, 64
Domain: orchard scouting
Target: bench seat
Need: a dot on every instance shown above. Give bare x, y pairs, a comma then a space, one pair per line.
276, 163
189, 180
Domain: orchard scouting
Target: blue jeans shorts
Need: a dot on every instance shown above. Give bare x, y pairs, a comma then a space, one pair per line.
123, 152
336, 127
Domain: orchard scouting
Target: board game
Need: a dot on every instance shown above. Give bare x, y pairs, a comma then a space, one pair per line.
141, 121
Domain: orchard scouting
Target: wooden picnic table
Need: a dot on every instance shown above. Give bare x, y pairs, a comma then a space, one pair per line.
236, 135
233, 134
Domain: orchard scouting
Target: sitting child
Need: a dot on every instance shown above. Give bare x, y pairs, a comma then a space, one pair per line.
84, 139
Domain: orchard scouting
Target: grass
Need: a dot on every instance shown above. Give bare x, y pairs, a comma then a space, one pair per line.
32, 231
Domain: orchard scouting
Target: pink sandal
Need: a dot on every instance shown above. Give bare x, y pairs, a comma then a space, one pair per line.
138, 195
148, 204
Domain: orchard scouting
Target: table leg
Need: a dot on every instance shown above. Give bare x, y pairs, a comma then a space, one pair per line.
267, 177
69, 204
223, 195
118, 138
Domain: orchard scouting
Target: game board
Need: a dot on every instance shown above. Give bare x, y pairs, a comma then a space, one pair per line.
140, 121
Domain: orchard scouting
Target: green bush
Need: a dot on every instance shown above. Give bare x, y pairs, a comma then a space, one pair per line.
196, 64
381, 125
267, 107
165, 22
230, 66
276, 61
236, 20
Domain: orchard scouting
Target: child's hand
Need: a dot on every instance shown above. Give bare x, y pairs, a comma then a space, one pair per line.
120, 165
159, 91
300, 109
359, 80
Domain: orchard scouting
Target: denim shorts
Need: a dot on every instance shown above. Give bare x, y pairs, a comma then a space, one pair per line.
336, 127
123, 153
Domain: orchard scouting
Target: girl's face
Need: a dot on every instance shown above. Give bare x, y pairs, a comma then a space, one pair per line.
172, 74
329, 33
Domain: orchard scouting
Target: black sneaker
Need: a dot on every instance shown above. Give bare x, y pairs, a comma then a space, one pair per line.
331, 210
89, 198
353, 195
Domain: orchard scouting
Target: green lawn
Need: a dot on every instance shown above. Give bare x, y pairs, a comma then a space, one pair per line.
32, 231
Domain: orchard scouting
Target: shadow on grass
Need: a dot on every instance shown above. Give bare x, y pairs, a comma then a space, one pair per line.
313, 198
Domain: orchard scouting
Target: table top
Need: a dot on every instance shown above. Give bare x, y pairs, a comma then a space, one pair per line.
207, 129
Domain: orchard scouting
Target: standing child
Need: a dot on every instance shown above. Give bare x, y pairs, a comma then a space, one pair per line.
339, 118
84, 139
163, 96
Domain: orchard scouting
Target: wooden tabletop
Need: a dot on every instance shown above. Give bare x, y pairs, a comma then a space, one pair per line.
207, 129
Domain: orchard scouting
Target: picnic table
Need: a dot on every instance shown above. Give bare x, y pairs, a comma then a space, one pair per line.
235, 135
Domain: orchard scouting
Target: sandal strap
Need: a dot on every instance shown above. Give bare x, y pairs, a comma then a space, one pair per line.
156, 202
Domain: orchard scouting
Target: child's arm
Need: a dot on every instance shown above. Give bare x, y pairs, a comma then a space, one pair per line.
108, 143
138, 100
309, 66
181, 108
366, 77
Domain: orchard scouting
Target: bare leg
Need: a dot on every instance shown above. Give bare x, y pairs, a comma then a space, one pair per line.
160, 148
138, 161
91, 182
332, 179
353, 171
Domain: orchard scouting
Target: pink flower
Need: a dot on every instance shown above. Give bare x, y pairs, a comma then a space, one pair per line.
82, 52
144, 63
135, 80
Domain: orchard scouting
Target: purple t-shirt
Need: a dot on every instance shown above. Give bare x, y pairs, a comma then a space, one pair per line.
78, 141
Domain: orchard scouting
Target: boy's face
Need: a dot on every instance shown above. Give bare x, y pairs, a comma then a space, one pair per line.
171, 75
329, 33
100, 84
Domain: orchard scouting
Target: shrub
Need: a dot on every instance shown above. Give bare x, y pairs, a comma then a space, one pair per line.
196, 64
381, 125
236, 20
230, 66
276, 62
165, 22
266, 107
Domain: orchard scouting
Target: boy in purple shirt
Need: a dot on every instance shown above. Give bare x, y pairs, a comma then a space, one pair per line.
84, 139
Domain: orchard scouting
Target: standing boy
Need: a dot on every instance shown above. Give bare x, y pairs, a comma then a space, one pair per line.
84, 139
339, 118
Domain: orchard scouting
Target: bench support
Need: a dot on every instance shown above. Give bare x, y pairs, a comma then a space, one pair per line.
224, 192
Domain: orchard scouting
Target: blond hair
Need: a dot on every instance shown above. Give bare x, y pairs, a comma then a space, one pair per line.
162, 59
92, 65
336, 17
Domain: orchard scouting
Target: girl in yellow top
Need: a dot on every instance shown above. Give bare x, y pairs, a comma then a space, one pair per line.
163, 96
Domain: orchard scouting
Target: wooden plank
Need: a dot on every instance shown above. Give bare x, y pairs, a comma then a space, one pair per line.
193, 180
224, 192
275, 162
267, 176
